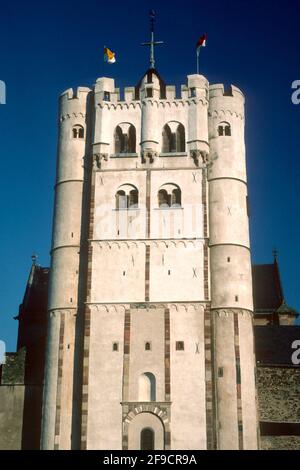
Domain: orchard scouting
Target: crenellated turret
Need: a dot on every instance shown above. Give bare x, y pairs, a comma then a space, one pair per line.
63, 293
196, 92
231, 282
151, 90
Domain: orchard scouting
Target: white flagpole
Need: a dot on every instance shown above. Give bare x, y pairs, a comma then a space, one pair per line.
198, 53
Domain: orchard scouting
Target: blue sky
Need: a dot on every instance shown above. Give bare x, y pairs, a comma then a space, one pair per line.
50, 46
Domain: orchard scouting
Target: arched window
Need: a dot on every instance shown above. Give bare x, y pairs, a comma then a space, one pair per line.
133, 199
131, 140
173, 138
147, 346
163, 198
125, 138
121, 200
127, 197
118, 139
78, 132
176, 198
169, 195
166, 139
180, 138
147, 439
224, 129
147, 387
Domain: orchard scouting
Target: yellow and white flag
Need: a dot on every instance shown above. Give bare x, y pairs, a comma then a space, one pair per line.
109, 56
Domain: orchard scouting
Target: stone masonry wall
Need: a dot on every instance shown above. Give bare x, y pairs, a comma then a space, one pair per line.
14, 368
280, 442
278, 393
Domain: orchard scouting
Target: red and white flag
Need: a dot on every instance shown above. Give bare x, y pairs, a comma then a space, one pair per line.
201, 41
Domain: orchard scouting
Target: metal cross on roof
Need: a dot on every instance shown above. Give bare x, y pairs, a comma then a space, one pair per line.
152, 43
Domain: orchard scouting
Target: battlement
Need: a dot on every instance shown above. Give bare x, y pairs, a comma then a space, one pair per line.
150, 87
227, 102
73, 101
217, 90
197, 88
74, 93
106, 90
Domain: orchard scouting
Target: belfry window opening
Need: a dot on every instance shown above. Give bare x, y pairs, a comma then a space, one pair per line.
173, 141
125, 139
78, 132
169, 196
127, 197
224, 129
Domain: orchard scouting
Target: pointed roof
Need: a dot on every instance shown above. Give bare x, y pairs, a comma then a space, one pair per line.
268, 296
32, 312
267, 288
36, 289
149, 74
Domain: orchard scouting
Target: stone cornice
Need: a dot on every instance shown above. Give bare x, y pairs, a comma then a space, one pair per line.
152, 102
72, 115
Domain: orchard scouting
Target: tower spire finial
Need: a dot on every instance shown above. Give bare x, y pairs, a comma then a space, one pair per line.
152, 42
34, 258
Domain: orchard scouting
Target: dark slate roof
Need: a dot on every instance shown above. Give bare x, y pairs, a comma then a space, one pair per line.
267, 289
273, 344
36, 292
33, 324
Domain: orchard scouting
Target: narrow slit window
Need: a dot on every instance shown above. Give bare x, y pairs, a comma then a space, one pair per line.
179, 345
248, 206
238, 371
149, 92
193, 92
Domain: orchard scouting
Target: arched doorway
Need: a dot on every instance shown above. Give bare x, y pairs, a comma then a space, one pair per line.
146, 431
147, 439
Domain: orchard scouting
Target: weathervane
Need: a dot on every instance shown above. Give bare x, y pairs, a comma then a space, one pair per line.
152, 43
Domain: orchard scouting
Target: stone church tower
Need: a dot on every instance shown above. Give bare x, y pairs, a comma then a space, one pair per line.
150, 338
